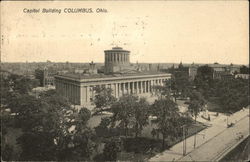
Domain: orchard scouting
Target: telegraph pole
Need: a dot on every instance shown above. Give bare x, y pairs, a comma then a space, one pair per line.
195, 138
184, 140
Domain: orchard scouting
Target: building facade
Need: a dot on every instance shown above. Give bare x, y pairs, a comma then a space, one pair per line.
48, 77
79, 88
80, 91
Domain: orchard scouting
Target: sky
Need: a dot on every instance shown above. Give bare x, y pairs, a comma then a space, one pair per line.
154, 31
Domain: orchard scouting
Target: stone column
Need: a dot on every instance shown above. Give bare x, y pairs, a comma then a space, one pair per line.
120, 58
133, 86
124, 89
140, 87
137, 87
129, 91
144, 86
124, 58
72, 93
67, 89
147, 86
120, 89
87, 93
153, 84
69, 92
116, 90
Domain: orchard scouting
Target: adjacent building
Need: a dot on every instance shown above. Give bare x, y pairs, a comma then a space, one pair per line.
242, 76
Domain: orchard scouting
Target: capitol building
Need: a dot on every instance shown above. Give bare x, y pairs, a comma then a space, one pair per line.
118, 75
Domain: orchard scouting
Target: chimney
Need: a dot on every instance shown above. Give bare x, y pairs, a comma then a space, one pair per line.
92, 65
149, 67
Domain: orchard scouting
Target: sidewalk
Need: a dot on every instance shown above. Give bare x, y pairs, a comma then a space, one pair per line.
218, 125
221, 144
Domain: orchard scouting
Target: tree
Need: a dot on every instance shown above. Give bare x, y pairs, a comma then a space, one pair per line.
162, 91
7, 149
141, 114
180, 84
244, 70
39, 74
103, 98
110, 150
167, 115
204, 80
130, 112
197, 103
13, 85
123, 112
232, 94
20, 84
46, 123
103, 128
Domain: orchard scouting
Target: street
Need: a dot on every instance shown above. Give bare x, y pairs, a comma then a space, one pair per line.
208, 138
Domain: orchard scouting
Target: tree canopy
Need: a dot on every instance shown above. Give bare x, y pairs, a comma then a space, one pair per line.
103, 98
130, 112
167, 119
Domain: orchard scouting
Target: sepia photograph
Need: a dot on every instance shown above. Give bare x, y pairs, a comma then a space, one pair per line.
132, 80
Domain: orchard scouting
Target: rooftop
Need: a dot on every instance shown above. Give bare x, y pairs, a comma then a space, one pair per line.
96, 76
116, 49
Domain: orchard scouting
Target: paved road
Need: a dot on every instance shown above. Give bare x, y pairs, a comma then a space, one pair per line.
217, 125
215, 148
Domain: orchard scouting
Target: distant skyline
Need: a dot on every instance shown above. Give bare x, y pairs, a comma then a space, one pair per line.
154, 31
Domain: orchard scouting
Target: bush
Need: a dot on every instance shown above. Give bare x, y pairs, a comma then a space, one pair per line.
140, 144
7, 152
111, 149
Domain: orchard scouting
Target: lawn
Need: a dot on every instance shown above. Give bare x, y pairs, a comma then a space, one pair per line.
146, 146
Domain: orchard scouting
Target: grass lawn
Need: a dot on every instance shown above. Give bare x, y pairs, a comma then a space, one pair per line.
144, 147
147, 146
213, 105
